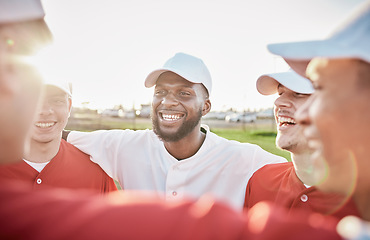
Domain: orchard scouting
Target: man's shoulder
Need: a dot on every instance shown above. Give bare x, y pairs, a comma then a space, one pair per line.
70, 155
271, 175
67, 148
274, 168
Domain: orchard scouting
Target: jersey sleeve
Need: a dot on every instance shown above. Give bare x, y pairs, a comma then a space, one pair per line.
262, 157
103, 146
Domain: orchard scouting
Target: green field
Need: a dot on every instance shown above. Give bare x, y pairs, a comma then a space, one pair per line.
263, 138
261, 134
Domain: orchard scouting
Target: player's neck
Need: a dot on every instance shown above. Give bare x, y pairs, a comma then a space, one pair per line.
303, 167
40, 152
187, 146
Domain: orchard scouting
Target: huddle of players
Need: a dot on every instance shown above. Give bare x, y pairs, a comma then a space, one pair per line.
180, 161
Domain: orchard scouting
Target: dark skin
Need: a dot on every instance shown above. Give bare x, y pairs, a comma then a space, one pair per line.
177, 101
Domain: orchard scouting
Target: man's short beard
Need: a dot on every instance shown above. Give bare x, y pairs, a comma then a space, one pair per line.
183, 131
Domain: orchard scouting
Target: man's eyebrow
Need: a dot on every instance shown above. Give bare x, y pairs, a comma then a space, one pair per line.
182, 86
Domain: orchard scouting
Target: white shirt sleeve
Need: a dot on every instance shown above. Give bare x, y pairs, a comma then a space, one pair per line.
262, 157
103, 147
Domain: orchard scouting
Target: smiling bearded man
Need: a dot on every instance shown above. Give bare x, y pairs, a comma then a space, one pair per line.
179, 158
187, 126
181, 111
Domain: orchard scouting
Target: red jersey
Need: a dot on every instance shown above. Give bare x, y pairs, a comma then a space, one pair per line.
70, 168
278, 183
67, 214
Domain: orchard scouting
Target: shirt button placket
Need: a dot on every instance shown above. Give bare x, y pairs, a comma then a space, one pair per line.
39, 181
304, 198
175, 168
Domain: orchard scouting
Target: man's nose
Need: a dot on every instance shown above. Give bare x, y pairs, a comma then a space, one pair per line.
170, 99
282, 101
46, 108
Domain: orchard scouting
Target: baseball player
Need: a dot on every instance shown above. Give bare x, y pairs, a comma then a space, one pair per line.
336, 117
290, 184
51, 161
15, 44
179, 157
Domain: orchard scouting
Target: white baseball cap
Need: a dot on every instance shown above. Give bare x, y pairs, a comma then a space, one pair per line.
59, 83
189, 67
267, 84
20, 10
350, 40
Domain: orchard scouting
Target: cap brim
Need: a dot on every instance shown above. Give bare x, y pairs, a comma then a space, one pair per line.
349, 40
152, 78
19, 11
300, 50
268, 84
299, 54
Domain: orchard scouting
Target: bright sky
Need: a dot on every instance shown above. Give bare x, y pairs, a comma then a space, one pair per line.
106, 48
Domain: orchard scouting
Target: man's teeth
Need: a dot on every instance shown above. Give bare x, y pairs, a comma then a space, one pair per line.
288, 120
44, 125
171, 117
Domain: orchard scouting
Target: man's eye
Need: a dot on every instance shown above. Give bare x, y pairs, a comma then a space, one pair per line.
159, 92
184, 93
301, 94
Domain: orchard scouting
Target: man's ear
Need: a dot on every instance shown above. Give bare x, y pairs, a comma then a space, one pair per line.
206, 107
